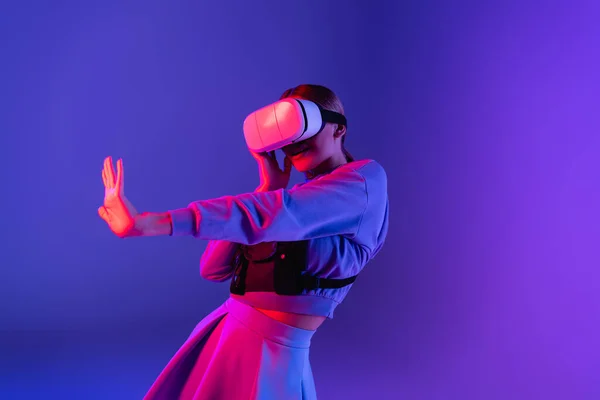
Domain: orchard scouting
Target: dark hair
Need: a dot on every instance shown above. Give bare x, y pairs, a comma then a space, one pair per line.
324, 97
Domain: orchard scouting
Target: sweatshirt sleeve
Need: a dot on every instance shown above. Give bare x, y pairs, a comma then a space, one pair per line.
333, 204
216, 263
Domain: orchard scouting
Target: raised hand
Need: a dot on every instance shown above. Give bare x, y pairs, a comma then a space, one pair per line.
117, 211
272, 176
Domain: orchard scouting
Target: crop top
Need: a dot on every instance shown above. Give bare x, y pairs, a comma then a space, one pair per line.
342, 214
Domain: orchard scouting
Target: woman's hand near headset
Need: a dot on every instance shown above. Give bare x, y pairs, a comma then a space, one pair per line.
272, 176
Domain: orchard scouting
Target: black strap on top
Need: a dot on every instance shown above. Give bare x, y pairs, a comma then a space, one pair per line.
278, 267
314, 282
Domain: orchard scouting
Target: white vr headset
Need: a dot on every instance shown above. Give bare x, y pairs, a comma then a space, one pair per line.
285, 122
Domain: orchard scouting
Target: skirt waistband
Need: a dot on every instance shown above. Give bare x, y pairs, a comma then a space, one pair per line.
268, 327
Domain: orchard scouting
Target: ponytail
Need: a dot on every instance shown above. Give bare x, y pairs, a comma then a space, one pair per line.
349, 157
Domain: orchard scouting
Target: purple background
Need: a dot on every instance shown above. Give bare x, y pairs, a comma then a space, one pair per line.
484, 114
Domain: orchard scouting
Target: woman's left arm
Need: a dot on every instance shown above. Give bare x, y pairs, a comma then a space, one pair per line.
334, 204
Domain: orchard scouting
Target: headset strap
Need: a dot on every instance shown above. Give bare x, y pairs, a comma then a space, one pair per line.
333, 117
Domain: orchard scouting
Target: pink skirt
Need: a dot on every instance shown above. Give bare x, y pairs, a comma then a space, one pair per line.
236, 353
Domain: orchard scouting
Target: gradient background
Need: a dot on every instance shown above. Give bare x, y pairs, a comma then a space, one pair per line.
484, 114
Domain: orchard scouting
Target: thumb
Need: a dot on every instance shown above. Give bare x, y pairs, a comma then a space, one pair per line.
287, 165
103, 213
271, 158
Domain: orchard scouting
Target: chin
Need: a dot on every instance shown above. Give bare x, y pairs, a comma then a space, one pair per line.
304, 164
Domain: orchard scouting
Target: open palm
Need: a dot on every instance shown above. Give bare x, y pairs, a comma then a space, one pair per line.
117, 211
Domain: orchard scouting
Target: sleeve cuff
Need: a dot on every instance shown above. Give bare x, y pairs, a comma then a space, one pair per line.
183, 222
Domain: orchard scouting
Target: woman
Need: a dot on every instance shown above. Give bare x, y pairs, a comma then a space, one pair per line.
318, 234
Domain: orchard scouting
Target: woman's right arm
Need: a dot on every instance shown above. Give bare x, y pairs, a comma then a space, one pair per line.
216, 263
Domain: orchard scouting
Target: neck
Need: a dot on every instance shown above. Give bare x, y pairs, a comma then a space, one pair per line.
327, 165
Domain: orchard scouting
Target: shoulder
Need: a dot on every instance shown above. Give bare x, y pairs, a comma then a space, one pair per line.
368, 169
360, 175
372, 226
375, 185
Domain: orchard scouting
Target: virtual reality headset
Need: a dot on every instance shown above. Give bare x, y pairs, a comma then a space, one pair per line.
285, 122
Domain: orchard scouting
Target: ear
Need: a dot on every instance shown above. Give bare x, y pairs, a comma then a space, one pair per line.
339, 131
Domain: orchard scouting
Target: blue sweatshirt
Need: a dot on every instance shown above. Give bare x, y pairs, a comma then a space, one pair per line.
342, 214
